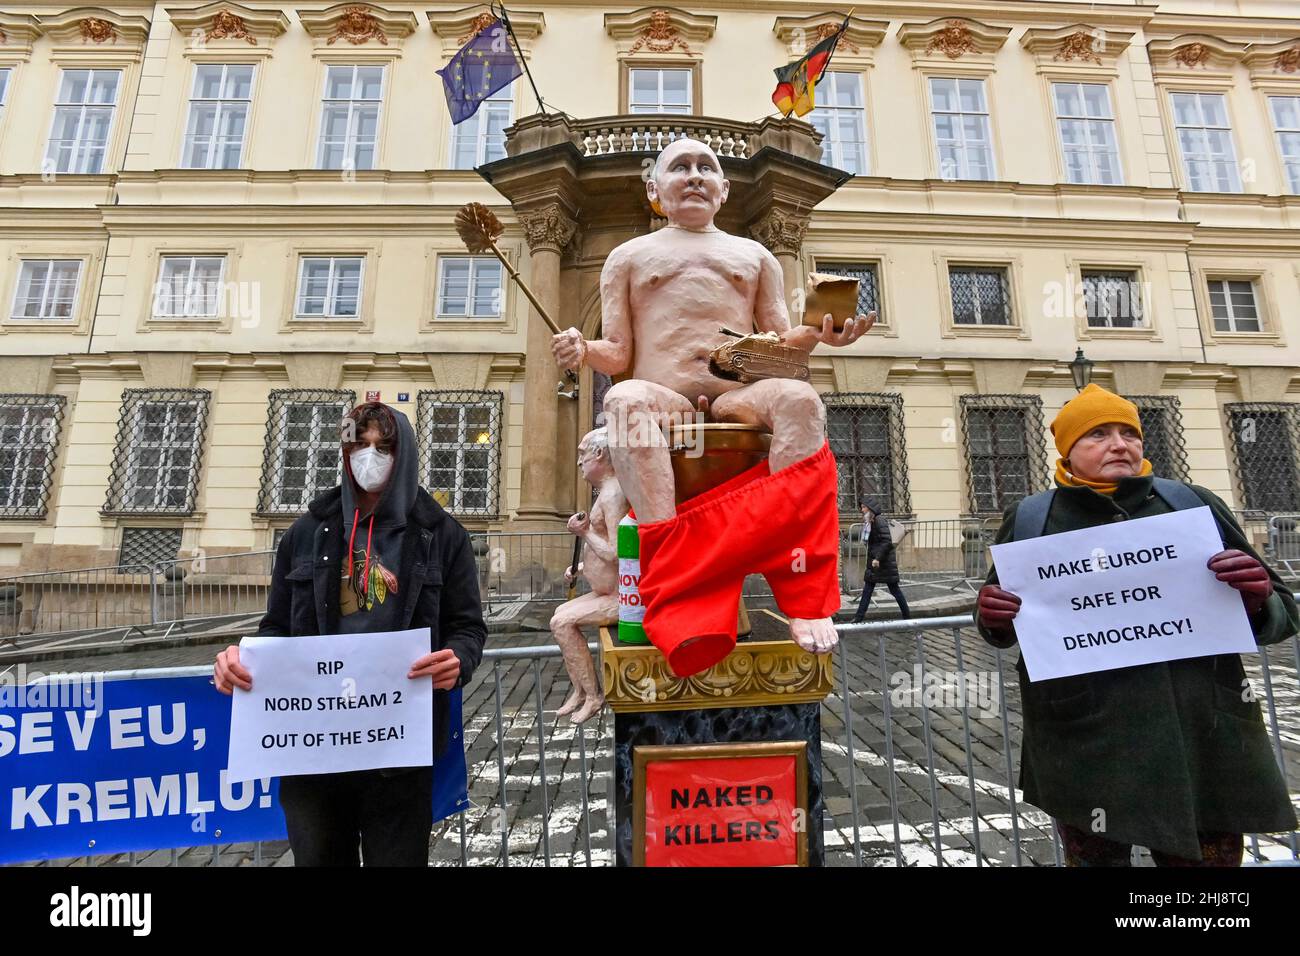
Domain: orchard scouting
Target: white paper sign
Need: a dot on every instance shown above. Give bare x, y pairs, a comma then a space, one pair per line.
331, 703
1131, 592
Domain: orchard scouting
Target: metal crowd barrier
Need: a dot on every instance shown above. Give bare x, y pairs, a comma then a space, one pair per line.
918, 765
119, 602
1282, 548
947, 553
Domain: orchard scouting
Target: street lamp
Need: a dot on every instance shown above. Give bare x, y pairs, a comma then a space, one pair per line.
1081, 370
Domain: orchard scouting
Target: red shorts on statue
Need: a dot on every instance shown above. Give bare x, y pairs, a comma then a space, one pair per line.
784, 526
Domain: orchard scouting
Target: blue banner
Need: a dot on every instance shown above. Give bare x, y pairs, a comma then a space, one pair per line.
126, 765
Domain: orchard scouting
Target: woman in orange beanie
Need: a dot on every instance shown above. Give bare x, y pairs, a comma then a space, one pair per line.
1173, 756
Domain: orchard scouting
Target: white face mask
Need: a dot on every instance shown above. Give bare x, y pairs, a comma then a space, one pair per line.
370, 467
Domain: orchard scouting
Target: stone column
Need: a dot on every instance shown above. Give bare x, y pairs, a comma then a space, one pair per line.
548, 229
782, 232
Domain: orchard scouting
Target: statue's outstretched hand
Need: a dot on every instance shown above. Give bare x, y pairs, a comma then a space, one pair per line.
853, 330
808, 338
569, 349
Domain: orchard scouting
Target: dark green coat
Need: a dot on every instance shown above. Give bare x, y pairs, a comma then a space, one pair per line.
1165, 750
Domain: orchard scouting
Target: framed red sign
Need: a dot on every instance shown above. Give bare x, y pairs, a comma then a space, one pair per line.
720, 804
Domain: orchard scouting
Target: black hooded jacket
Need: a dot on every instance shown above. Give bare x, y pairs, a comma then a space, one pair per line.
426, 550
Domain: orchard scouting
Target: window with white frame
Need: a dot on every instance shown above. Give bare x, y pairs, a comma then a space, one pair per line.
218, 118
981, 295
302, 458
1286, 123
83, 119
47, 290
659, 91
469, 287
1113, 299
1205, 141
1086, 122
329, 287
460, 448
349, 126
841, 117
158, 451
961, 127
189, 287
5, 74
1233, 305
482, 138
29, 442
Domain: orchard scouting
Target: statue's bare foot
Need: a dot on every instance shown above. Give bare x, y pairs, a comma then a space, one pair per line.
814, 636
573, 701
592, 706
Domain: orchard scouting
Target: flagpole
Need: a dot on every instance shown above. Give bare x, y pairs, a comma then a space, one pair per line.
505, 19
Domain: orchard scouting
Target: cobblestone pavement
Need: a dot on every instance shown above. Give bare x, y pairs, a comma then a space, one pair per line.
919, 738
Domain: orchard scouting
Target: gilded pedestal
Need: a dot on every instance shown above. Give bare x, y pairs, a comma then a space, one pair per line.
765, 690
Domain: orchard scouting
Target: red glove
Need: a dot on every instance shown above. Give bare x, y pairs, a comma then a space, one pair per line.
997, 608
1239, 570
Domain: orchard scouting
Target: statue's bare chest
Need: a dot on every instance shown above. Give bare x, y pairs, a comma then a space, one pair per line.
720, 265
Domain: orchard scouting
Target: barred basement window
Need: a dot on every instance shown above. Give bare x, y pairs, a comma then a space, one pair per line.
1113, 299
865, 430
145, 547
460, 449
1005, 455
980, 296
1162, 435
29, 444
159, 451
302, 457
1266, 445
868, 284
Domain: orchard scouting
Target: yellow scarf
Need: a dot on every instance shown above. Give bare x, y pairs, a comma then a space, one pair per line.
1067, 480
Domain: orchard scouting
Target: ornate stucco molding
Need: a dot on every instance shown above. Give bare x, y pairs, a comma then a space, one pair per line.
1077, 45
660, 31
228, 25
781, 232
455, 28
18, 31
952, 38
547, 228
856, 47
1194, 54
351, 25
1278, 61
96, 30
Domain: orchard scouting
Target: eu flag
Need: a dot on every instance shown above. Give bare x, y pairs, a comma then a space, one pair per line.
481, 67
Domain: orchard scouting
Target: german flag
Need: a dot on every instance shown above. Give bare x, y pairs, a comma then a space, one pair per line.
796, 81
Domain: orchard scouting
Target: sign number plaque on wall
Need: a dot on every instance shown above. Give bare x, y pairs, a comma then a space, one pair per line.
742, 804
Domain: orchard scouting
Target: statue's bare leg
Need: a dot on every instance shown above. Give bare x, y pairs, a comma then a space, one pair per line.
635, 413
790, 409
586, 699
797, 419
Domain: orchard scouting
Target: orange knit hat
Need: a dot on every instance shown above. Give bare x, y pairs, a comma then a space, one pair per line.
1092, 407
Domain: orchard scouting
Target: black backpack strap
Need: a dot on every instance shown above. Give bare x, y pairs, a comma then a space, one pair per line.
1031, 515
1176, 494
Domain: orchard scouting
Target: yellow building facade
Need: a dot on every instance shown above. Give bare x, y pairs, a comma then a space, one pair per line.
222, 224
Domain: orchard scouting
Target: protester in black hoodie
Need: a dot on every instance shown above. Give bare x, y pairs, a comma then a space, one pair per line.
375, 554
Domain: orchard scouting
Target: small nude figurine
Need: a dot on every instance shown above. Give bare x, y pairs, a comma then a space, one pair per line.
663, 297
599, 532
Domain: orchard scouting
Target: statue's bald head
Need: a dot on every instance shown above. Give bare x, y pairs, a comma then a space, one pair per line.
676, 147
687, 183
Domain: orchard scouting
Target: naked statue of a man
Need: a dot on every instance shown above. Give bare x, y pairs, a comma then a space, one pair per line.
663, 297
599, 532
